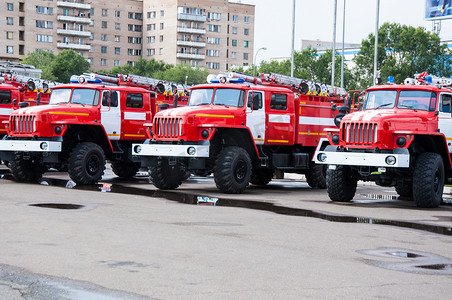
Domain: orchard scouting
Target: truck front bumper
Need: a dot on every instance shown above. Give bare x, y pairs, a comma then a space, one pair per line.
169, 150
399, 158
29, 146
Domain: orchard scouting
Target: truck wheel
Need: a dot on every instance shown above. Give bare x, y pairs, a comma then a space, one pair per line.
428, 180
165, 176
261, 176
125, 169
86, 163
26, 170
232, 170
341, 183
404, 189
316, 176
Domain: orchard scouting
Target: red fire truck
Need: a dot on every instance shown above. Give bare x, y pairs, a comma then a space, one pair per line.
84, 124
19, 91
242, 128
401, 138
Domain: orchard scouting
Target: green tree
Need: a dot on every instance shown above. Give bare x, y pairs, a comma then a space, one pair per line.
182, 74
402, 51
41, 60
68, 63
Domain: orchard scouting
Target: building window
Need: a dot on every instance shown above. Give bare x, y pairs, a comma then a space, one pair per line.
103, 37
211, 65
245, 31
44, 38
44, 10
245, 44
233, 54
150, 52
151, 15
117, 13
150, 39
9, 21
103, 49
151, 27
213, 41
9, 35
161, 38
247, 19
135, 52
117, 63
90, 60
234, 43
214, 28
9, 6
245, 56
161, 51
213, 16
117, 38
235, 18
162, 13
134, 40
215, 53
117, 26
104, 24
91, 36
44, 24
65, 12
234, 30
117, 50
9, 49
137, 16
103, 62
137, 28
162, 26
104, 12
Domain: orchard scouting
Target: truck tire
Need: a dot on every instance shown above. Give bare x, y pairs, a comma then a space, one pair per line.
125, 169
316, 176
165, 176
26, 170
86, 163
341, 184
428, 180
261, 176
232, 170
404, 190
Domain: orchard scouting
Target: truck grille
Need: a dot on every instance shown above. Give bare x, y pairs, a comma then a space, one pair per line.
359, 133
22, 124
167, 127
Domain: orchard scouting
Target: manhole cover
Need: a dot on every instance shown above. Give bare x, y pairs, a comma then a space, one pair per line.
57, 205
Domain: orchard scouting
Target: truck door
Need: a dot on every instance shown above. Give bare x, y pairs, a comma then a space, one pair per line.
255, 116
5, 109
280, 120
111, 114
445, 117
135, 116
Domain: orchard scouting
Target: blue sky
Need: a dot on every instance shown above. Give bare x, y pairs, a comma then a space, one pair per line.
314, 20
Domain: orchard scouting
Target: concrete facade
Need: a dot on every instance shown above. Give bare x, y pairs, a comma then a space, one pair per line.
214, 34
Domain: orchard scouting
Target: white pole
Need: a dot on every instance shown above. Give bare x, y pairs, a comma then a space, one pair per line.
343, 41
376, 41
334, 43
293, 40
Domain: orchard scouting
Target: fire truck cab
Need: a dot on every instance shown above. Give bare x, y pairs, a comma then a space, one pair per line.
401, 138
240, 131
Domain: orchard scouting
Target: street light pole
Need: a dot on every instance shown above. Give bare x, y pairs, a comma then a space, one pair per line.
376, 41
334, 44
293, 40
255, 56
343, 48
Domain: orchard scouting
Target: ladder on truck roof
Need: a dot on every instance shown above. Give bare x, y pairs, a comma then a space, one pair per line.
301, 86
31, 84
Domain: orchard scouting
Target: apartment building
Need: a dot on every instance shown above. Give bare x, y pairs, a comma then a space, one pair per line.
214, 34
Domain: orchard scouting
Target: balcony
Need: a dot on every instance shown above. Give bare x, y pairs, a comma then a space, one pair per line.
190, 56
74, 32
189, 17
73, 46
74, 5
74, 19
191, 30
191, 44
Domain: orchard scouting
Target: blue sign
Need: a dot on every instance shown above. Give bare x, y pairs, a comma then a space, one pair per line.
438, 9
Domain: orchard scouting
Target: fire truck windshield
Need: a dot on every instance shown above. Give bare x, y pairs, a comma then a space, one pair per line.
226, 97
74, 96
380, 99
417, 100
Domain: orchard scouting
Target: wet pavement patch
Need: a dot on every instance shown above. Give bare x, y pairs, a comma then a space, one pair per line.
57, 205
411, 261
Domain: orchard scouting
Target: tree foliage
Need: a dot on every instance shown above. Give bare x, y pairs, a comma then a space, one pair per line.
402, 52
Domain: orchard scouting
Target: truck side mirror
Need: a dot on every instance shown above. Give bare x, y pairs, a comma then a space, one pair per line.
15, 102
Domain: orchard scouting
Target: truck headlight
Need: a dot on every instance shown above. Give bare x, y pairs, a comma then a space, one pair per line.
137, 149
191, 150
390, 160
44, 146
321, 157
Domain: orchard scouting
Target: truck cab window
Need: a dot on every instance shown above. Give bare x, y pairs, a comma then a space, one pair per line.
278, 101
446, 101
256, 98
5, 97
134, 100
